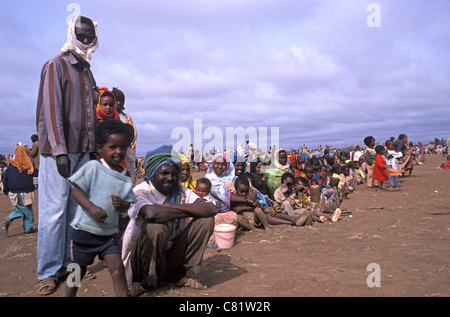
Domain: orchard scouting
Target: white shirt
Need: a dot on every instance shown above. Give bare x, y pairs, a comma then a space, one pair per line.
253, 150
357, 155
146, 194
393, 161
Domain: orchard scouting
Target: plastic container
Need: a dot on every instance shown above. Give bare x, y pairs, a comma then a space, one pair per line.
224, 235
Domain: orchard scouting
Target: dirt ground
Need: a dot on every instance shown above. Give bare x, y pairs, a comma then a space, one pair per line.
406, 232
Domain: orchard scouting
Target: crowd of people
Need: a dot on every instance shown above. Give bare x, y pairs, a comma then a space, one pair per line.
148, 218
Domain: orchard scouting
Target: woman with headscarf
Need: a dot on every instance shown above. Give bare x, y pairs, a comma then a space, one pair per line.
158, 245
279, 167
186, 177
240, 165
257, 170
18, 185
221, 174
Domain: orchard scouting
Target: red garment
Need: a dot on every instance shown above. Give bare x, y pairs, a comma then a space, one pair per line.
100, 114
447, 165
379, 171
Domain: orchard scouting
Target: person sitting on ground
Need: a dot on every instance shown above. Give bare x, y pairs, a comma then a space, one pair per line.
349, 183
186, 177
239, 165
257, 169
279, 166
316, 185
320, 212
203, 190
247, 206
271, 209
290, 203
158, 246
358, 174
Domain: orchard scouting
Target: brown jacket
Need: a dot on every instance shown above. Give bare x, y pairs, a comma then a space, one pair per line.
34, 155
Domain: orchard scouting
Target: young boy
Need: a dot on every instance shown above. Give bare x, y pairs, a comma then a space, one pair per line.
18, 185
102, 188
317, 209
349, 183
271, 209
369, 157
289, 200
246, 206
392, 163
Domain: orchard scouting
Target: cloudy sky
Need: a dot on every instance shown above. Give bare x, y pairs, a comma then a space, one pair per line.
316, 72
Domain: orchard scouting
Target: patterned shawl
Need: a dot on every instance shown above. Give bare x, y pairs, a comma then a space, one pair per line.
219, 191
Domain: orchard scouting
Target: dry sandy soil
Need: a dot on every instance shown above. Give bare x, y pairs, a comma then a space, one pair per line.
405, 231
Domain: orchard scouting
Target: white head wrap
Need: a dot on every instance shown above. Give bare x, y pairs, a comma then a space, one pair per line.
73, 45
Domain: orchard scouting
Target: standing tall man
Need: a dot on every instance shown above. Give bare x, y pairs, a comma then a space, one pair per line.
66, 121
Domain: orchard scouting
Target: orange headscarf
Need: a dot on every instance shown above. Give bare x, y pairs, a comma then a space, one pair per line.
22, 159
100, 114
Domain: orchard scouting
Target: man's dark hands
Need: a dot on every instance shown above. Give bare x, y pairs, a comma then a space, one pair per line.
63, 164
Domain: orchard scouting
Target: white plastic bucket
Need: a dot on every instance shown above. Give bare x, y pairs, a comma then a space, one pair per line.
224, 234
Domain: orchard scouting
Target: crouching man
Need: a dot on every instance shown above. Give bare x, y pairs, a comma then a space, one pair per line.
158, 244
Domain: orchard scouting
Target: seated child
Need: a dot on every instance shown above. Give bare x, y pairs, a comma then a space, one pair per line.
245, 204
103, 189
18, 185
337, 173
358, 174
317, 209
203, 190
317, 187
272, 209
348, 179
289, 200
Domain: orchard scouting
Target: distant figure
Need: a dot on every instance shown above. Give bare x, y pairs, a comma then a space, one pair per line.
34, 155
18, 185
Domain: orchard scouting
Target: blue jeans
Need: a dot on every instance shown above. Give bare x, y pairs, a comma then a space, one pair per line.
22, 211
56, 211
393, 180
